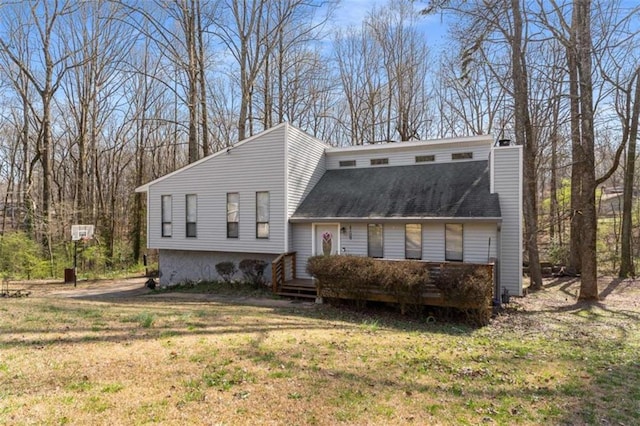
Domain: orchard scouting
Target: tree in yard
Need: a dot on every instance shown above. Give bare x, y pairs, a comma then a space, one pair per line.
101, 40
44, 23
405, 60
504, 23
629, 113
576, 35
177, 29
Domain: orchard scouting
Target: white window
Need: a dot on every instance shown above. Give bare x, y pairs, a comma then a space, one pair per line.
262, 215
425, 158
192, 215
379, 161
233, 214
375, 243
166, 207
413, 241
453, 242
462, 156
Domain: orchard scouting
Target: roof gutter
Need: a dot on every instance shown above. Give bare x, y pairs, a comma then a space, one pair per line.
381, 219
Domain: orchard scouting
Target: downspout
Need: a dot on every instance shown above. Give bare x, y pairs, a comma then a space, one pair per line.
286, 188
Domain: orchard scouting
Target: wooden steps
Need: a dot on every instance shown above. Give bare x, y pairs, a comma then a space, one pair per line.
298, 288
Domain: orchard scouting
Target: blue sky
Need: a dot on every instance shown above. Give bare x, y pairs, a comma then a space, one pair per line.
353, 12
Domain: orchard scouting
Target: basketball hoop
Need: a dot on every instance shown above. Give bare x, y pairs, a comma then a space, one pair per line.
81, 232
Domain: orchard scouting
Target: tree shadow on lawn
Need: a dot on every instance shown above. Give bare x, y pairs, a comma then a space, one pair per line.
611, 395
114, 319
431, 319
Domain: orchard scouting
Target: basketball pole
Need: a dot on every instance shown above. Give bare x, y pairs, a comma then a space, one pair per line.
75, 262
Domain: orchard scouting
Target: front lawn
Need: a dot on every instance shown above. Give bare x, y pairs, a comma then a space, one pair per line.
162, 359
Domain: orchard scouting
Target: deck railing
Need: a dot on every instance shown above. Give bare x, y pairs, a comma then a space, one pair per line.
283, 268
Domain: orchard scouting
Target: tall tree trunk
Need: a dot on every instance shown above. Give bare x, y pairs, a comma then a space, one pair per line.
575, 239
524, 134
190, 32
627, 268
203, 82
555, 232
589, 273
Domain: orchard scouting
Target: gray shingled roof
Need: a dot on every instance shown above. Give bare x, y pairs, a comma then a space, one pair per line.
459, 189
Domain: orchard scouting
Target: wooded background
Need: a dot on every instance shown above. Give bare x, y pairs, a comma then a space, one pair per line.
98, 97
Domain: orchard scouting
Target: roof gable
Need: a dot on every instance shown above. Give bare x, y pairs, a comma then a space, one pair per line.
145, 187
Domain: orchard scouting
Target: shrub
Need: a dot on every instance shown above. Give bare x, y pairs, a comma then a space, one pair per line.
557, 253
20, 256
468, 288
353, 277
226, 270
253, 271
465, 287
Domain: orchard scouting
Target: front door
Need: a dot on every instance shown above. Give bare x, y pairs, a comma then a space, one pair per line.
327, 239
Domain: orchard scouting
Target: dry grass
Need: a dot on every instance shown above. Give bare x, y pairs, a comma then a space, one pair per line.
194, 359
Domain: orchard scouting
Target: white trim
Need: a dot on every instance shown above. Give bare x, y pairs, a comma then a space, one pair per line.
286, 189
145, 187
492, 173
470, 140
520, 238
325, 220
148, 219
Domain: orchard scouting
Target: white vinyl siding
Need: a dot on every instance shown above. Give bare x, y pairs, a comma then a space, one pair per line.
256, 164
433, 242
480, 242
393, 240
305, 166
506, 180
301, 243
405, 154
354, 241
166, 215
191, 201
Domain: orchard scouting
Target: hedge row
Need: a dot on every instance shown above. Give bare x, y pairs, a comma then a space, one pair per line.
466, 287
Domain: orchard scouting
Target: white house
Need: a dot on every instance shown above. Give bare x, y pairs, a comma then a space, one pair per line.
449, 200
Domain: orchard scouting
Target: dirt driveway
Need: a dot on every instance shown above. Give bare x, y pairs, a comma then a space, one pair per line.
127, 288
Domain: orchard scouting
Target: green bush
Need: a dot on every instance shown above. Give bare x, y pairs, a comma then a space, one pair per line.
20, 256
253, 271
226, 270
557, 253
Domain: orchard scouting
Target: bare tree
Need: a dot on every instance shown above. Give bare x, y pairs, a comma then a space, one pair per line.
177, 28
101, 40
405, 60
504, 23
629, 116
47, 21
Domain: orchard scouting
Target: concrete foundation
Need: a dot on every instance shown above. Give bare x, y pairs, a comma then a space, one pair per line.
181, 266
